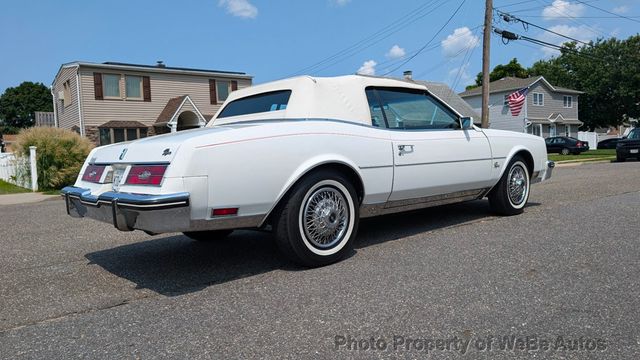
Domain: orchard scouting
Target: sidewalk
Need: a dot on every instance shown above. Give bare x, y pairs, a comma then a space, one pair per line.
24, 198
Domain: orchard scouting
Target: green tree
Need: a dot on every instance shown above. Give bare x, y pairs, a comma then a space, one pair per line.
608, 72
19, 104
513, 69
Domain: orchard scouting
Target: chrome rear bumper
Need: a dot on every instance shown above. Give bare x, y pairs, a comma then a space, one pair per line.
127, 212
545, 174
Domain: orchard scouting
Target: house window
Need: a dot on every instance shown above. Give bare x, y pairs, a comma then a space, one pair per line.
66, 91
111, 85
116, 135
538, 99
506, 100
223, 88
567, 101
133, 87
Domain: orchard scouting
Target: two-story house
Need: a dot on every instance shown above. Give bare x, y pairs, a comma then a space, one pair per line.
112, 102
548, 110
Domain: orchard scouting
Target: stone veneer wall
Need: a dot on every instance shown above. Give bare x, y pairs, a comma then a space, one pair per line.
93, 134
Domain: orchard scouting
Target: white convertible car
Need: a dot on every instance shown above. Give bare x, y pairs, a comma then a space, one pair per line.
307, 158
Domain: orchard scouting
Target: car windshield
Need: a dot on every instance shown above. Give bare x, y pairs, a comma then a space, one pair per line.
634, 134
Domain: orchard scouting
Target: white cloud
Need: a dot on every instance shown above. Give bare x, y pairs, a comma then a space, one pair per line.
461, 39
459, 76
615, 32
622, 9
562, 9
581, 32
340, 2
368, 68
396, 52
240, 8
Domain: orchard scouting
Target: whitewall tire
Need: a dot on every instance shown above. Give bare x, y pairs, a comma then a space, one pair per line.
318, 222
510, 195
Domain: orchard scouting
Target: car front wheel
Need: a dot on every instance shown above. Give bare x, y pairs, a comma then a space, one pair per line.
511, 194
317, 224
564, 151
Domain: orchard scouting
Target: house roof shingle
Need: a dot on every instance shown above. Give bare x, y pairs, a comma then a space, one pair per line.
118, 66
512, 83
122, 124
169, 110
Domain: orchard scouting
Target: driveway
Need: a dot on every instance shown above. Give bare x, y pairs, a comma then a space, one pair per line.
448, 282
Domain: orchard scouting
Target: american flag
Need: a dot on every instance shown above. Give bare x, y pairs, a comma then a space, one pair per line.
516, 101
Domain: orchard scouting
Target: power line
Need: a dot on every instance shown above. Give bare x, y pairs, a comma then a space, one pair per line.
393, 62
595, 31
508, 18
465, 62
430, 40
395, 26
585, 17
363, 47
607, 11
528, 9
509, 36
517, 3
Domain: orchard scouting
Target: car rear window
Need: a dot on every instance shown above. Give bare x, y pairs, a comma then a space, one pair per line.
265, 102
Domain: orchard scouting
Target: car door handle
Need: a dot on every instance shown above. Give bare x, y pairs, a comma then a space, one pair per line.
404, 149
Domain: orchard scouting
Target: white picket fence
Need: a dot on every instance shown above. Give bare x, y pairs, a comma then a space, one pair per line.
590, 137
10, 166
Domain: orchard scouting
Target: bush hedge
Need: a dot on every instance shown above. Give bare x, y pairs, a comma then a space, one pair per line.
59, 156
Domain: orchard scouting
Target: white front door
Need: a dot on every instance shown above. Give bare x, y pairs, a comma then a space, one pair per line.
432, 155
429, 163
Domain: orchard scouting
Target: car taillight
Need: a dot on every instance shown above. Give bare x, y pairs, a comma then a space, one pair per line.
579, 144
146, 175
93, 173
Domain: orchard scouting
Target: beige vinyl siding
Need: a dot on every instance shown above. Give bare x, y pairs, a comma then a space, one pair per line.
68, 116
553, 103
163, 88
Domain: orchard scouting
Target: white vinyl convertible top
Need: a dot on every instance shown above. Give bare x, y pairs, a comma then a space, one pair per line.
340, 97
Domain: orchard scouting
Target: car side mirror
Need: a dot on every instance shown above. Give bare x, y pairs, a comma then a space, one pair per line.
466, 122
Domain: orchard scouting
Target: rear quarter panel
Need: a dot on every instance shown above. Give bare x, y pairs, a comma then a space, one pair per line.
253, 168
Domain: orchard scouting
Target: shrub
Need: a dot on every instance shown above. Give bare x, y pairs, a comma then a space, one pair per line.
59, 156
6, 129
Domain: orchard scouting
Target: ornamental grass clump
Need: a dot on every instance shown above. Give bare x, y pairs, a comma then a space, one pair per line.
59, 156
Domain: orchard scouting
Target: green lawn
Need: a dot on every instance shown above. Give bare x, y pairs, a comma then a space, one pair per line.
7, 188
603, 154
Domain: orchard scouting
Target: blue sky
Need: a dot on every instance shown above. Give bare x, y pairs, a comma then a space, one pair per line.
272, 39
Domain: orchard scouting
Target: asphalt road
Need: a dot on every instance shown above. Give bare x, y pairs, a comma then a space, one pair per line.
421, 284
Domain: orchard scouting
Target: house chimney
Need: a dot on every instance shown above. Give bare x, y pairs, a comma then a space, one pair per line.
408, 75
160, 64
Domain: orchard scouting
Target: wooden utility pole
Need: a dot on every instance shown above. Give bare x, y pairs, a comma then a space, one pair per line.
488, 17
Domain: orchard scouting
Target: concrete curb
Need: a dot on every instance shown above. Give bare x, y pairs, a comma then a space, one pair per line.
571, 163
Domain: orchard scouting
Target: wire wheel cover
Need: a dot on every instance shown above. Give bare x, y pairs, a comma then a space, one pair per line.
325, 217
518, 185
